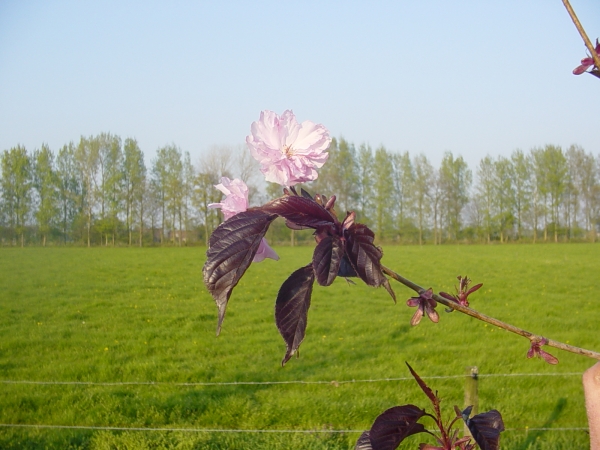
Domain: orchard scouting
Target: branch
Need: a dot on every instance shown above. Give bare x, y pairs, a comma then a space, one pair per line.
582, 32
477, 315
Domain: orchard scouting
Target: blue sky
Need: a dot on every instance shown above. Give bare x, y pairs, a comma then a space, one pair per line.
471, 77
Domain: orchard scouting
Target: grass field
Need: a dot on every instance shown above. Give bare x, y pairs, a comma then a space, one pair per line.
125, 315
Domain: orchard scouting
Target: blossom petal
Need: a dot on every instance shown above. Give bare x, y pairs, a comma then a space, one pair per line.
413, 301
550, 359
417, 316
236, 197
432, 314
583, 67
531, 352
265, 251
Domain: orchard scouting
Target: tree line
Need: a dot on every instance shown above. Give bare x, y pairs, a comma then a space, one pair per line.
99, 191
546, 194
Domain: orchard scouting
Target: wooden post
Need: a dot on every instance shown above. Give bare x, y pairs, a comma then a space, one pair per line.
471, 395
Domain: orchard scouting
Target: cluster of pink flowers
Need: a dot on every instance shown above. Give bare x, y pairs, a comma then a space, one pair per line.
288, 152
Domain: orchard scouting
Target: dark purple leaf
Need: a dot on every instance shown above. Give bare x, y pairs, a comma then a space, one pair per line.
395, 425
365, 258
294, 226
426, 389
327, 258
305, 193
346, 269
302, 211
550, 359
486, 428
364, 442
231, 248
449, 297
291, 308
474, 288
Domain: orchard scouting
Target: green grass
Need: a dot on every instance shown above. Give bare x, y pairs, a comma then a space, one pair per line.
139, 315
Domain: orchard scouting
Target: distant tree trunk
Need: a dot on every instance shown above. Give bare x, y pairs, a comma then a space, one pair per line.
141, 224
420, 224
89, 226
180, 227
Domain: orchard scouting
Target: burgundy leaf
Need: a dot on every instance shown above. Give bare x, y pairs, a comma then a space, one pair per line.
294, 226
550, 359
395, 425
330, 203
231, 248
302, 211
346, 269
364, 442
305, 193
486, 428
448, 296
327, 258
474, 288
365, 258
426, 389
291, 308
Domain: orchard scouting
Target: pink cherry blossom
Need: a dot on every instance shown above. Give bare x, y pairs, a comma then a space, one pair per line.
236, 197
288, 152
236, 201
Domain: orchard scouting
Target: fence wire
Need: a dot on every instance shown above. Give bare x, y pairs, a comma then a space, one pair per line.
252, 383
222, 430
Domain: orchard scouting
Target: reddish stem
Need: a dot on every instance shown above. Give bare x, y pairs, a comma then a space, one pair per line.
498, 323
583, 34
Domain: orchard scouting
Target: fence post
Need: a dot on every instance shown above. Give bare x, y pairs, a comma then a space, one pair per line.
471, 395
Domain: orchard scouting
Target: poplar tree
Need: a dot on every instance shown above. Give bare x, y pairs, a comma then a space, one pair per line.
134, 184
486, 194
403, 181
422, 192
504, 195
522, 187
553, 164
455, 181
382, 191
87, 163
109, 184
584, 175
16, 186
69, 190
365, 201
45, 183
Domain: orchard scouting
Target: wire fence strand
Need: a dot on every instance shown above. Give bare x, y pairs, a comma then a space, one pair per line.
225, 430
251, 383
